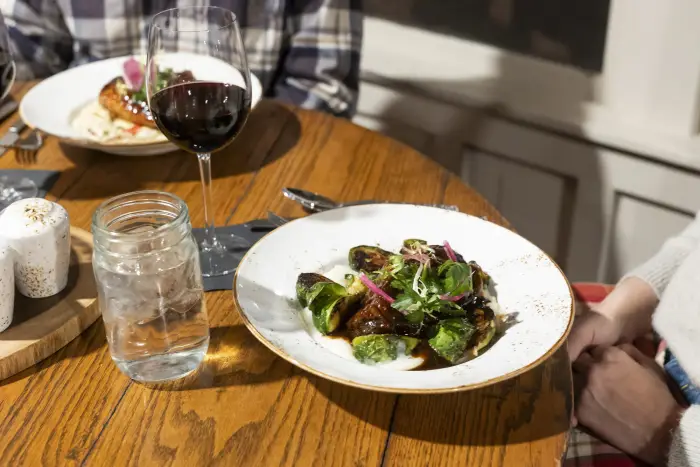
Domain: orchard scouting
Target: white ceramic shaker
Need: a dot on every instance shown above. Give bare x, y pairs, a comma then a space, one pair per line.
38, 231
7, 285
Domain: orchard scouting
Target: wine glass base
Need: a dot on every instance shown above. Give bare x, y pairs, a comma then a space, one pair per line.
14, 189
223, 257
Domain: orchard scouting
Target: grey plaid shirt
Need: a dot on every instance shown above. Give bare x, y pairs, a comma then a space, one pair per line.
306, 52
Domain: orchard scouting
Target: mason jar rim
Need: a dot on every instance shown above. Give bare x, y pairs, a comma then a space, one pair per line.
118, 201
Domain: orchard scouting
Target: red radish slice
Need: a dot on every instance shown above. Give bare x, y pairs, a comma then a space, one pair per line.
133, 74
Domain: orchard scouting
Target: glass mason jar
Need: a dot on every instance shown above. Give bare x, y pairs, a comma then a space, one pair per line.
149, 284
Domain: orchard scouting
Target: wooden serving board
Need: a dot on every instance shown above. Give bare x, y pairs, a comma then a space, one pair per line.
42, 326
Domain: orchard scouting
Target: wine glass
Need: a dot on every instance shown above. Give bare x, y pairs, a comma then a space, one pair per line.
199, 93
12, 187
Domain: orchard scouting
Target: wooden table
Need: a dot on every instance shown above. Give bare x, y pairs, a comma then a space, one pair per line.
246, 407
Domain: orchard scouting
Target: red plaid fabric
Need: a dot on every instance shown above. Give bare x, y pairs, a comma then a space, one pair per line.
584, 449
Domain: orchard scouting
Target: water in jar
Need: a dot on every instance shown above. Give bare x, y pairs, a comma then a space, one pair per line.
154, 311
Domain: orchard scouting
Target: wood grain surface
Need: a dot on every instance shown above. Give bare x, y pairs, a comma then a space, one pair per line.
42, 326
245, 406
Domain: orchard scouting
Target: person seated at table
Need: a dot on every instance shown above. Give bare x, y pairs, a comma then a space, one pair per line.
623, 395
305, 52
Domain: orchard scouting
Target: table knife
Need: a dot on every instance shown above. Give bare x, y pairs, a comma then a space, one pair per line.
12, 135
7, 107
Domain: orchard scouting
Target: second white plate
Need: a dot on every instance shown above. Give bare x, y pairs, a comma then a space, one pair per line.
51, 105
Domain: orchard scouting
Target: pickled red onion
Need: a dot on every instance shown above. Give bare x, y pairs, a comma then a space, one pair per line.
373, 287
450, 298
450, 252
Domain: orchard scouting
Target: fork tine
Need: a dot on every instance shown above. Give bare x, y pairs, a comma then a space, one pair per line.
26, 156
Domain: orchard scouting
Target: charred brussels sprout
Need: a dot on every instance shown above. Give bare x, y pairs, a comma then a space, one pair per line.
485, 323
451, 338
479, 277
330, 303
382, 348
355, 285
305, 283
368, 258
484, 338
329, 313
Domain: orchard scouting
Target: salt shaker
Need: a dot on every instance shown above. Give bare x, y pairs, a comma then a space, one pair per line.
38, 231
7, 285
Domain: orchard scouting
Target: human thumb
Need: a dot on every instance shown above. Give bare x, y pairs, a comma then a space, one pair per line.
582, 335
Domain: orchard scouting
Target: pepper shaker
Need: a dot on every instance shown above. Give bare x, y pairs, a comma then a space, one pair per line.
38, 231
7, 285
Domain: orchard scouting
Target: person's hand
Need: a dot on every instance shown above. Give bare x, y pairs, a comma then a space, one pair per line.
593, 328
623, 316
622, 396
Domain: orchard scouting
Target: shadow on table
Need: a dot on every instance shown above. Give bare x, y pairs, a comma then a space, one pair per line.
271, 132
519, 410
89, 341
235, 358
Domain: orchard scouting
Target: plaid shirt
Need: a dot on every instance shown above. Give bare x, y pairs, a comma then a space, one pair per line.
306, 52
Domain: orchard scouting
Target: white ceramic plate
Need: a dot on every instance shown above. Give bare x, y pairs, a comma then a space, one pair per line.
51, 105
529, 285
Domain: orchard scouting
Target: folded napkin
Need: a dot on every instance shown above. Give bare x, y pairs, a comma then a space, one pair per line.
251, 231
44, 179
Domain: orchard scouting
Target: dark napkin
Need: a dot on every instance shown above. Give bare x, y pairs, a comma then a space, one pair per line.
251, 231
44, 179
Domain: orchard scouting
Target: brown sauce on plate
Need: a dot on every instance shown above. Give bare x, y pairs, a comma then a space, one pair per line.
431, 360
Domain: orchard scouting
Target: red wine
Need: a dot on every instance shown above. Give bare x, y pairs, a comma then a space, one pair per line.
201, 116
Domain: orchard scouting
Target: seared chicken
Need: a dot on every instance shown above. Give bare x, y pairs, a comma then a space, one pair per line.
116, 97
119, 100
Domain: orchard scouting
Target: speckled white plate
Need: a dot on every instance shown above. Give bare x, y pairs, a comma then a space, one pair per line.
51, 105
530, 288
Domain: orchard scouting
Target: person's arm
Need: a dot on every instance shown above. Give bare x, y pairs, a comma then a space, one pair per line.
39, 38
321, 64
685, 447
626, 313
658, 270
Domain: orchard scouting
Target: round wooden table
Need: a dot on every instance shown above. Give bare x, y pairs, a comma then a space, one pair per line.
246, 407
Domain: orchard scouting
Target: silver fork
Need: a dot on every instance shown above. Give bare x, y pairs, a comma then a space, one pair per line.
27, 148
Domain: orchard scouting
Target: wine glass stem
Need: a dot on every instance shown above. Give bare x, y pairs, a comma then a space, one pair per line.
205, 174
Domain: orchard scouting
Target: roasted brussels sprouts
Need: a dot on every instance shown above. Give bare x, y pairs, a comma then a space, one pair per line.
485, 323
451, 338
368, 258
328, 314
382, 348
305, 283
484, 338
355, 285
479, 278
330, 303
